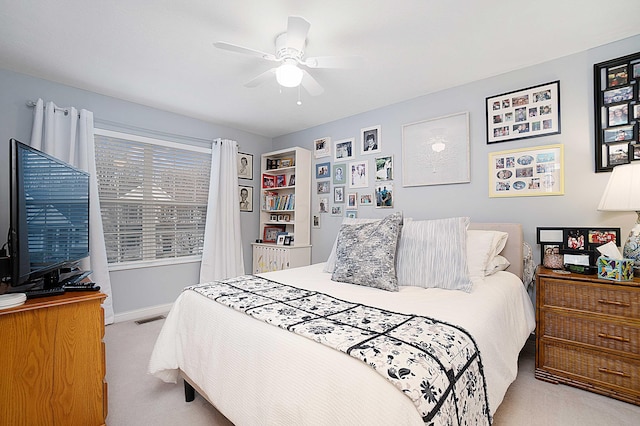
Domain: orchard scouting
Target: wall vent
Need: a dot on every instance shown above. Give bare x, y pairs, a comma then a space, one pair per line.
150, 319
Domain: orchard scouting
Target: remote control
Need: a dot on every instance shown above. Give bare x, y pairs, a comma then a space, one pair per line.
44, 292
82, 287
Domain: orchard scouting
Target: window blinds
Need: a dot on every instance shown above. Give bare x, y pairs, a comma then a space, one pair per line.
153, 197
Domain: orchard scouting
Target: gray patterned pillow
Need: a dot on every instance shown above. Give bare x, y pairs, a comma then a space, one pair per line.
366, 253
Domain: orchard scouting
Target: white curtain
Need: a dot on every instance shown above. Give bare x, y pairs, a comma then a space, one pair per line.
68, 136
222, 250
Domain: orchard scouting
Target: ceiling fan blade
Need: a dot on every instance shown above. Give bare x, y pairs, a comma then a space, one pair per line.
310, 84
244, 50
297, 30
262, 78
334, 62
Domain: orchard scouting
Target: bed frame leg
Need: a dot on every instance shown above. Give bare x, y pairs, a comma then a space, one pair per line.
189, 392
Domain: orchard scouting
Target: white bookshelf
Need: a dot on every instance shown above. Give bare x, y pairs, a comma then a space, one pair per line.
286, 206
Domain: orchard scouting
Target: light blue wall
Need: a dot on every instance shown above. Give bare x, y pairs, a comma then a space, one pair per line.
583, 187
137, 288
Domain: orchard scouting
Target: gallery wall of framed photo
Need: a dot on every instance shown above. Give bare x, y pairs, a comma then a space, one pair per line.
617, 111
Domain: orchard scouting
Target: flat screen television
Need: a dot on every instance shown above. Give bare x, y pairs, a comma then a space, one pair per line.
49, 217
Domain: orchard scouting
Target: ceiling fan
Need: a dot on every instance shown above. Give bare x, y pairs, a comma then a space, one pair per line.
289, 52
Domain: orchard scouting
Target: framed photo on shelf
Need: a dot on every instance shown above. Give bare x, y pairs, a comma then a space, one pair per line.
245, 166
286, 162
535, 171
271, 233
525, 113
268, 181
370, 140
384, 168
323, 170
281, 181
343, 150
246, 198
292, 180
322, 147
617, 111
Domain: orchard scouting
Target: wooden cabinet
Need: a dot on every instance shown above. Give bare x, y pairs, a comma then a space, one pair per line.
285, 205
52, 361
588, 333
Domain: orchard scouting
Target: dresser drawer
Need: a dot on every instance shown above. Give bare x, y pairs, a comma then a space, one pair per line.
592, 297
596, 332
617, 373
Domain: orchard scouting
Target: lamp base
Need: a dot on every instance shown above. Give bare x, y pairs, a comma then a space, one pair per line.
631, 248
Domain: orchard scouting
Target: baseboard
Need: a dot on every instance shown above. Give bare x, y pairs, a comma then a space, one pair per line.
142, 313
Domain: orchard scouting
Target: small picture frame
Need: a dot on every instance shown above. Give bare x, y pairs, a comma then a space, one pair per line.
617, 76
245, 166
292, 180
384, 168
366, 199
271, 232
286, 162
575, 239
322, 147
280, 238
338, 194
636, 152
339, 174
287, 240
323, 205
619, 134
281, 181
618, 153
358, 174
370, 140
343, 149
323, 170
336, 210
618, 114
620, 94
352, 214
273, 218
525, 113
268, 181
323, 187
246, 198
315, 221
352, 200
384, 195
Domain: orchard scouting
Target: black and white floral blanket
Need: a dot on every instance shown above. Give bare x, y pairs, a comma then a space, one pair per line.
436, 365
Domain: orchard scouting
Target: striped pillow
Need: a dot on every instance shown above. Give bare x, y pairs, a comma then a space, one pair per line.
433, 253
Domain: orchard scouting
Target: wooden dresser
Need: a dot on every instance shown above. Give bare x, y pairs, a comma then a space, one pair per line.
52, 361
588, 333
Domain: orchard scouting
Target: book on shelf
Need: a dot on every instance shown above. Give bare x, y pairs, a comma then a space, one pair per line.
275, 201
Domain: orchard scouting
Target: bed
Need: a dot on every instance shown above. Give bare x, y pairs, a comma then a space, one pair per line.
257, 373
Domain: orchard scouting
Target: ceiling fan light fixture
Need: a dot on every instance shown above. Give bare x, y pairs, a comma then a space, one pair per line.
288, 74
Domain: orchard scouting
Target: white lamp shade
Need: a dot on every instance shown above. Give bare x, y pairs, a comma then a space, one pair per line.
289, 75
623, 189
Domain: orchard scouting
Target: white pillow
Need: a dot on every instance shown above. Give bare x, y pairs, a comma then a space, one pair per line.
498, 263
433, 253
482, 247
331, 261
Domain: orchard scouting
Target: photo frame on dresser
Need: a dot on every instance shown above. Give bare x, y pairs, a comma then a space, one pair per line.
617, 111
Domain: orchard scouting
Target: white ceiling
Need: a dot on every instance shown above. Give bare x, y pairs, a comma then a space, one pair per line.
160, 52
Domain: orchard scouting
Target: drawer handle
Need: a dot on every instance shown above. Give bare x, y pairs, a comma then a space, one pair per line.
616, 373
618, 338
610, 302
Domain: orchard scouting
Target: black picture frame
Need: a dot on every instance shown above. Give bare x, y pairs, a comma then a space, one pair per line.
524, 113
245, 165
619, 153
591, 238
616, 101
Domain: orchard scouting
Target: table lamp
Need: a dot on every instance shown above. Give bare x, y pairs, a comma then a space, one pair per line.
622, 194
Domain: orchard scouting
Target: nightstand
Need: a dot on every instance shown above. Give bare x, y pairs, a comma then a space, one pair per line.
588, 333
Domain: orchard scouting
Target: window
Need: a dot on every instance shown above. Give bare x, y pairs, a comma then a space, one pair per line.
153, 198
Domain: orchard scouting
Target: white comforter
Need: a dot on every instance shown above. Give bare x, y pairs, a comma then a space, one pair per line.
259, 374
